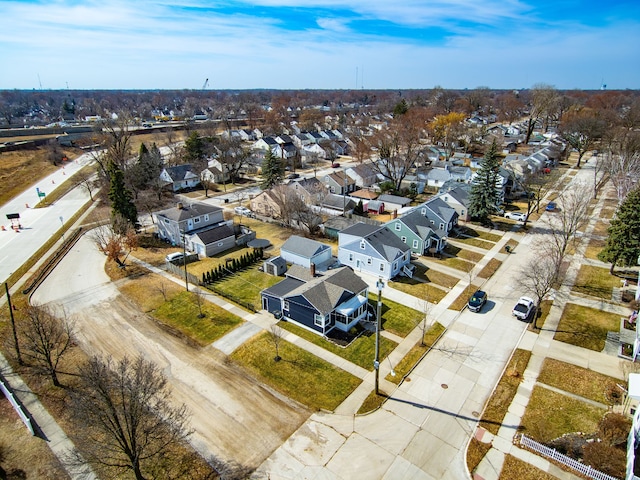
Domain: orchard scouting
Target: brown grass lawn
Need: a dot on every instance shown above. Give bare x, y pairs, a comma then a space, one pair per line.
586, 327
490, 268
22, 168
595, 282
467, 231
475, 453
515, 468
25, 456
435, 276
594, 247
600, 228
461, 300
550, 415
585, 383
506, 389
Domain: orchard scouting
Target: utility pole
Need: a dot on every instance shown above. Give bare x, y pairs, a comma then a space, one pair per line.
376, 361
13, 324
184, 259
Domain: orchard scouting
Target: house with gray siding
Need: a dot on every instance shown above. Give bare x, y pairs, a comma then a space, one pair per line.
304, 252
200, 227
374, 250
319, 302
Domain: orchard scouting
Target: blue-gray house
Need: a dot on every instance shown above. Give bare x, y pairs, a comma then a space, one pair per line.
318, 302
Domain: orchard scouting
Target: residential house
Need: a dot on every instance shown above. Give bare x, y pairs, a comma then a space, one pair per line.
319, 302
311, 190
333, 204
200, 227
457, 197
419, 233
313, 150
304, 252
180, 177
394, 202
364, 175
267, 204
460, 174
374, 250
440, 215
339, 182
214, 175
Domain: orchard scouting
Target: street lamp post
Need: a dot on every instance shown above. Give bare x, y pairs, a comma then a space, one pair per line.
376, 361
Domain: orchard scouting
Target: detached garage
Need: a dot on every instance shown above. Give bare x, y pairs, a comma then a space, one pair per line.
303, 251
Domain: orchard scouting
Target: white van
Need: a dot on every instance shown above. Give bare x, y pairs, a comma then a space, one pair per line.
173, 257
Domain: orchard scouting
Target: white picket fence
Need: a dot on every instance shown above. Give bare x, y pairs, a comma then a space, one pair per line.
17, 405
559, 457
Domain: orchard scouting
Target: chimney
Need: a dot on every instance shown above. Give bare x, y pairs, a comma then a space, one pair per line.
312, 267
180, 206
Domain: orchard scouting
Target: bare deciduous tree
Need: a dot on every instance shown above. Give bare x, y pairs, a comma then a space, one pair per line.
46, 340
573, 214
131, 424
276, 333
114, 245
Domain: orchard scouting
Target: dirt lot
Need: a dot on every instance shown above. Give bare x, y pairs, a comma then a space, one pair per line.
235, 417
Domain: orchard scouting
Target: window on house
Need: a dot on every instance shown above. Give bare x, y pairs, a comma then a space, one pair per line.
404, 239
362, 245
220, 244
318, 320
382, 267
166, 220
395, 265
206, 218
398, 226
369, 261
424, 211
462, 212
351, 257
442, 226
196, 220
286, 305
415, 244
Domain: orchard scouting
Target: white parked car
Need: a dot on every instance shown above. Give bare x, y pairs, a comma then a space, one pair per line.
523, 308
519, 216
174, 257
243, 211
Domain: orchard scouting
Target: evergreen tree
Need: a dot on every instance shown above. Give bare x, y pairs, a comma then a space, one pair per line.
194, 149
272, 171
204, 278
484, 195
124, 213
401, 108
623, 241
359, 209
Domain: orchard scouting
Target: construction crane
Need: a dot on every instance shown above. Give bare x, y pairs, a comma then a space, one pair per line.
205, 84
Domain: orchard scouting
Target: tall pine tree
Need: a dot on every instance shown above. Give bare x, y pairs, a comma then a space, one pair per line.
484, 195
272, 171
124, 213
623, 243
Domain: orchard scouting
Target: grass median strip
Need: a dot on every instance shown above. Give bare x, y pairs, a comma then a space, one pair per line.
360, 352
412, 357
299, 374
396, 318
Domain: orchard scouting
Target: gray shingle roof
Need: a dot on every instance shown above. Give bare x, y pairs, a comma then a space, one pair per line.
188, 211
304, 246
215, 234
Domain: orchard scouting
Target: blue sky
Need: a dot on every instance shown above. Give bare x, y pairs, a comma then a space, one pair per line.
295, 44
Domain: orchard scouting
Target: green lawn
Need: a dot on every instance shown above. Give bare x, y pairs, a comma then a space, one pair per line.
299, 374
550, 415
473, 233
360, 352
245, 285
436, 276
586, 327
396, 318
595, 282
181, 313
419, 289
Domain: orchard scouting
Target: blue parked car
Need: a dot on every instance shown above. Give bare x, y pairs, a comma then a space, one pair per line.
551, 206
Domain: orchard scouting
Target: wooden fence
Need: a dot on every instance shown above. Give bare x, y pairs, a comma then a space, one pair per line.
553, 454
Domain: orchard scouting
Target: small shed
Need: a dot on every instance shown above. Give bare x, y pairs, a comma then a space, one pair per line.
375, 206
276, 266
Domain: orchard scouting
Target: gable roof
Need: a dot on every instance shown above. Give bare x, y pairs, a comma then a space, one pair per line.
180, 214
380, 238
180, 172
418, 224
304, 247
394, 199
440, 209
